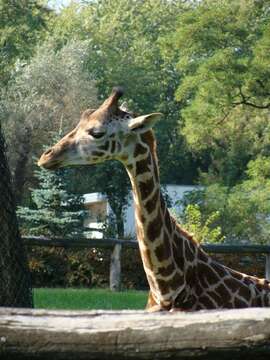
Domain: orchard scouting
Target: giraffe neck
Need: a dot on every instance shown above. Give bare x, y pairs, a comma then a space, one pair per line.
179, 273
154, 225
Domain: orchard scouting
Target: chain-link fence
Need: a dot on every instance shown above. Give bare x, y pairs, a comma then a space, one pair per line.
15, 284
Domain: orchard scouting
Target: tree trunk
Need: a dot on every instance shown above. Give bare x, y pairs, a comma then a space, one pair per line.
15, 289
21, 164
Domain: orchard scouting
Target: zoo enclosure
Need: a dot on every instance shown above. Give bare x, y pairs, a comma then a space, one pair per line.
116, 244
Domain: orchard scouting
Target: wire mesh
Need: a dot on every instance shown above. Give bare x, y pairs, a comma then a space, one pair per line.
15, 283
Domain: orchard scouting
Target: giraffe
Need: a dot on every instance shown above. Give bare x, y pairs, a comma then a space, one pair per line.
181, 276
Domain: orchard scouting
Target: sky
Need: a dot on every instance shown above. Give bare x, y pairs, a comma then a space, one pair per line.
57, 4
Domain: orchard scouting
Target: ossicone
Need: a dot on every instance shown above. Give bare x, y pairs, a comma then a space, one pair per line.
117, 92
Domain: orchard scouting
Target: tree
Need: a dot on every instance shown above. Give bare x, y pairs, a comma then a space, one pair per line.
23, 24
203, 229
56, 213
44, 97
225, 87
14, 273
243, 209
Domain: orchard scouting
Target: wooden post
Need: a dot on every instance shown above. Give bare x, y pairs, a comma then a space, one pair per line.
115, 268
267, 266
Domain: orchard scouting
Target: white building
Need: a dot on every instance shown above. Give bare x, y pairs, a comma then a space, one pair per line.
99, 209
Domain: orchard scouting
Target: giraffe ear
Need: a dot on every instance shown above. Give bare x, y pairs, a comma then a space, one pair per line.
144, 122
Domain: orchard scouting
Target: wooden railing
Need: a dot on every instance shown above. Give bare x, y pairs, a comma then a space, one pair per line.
110, 243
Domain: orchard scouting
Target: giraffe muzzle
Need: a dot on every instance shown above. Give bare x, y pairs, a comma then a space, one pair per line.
49, 160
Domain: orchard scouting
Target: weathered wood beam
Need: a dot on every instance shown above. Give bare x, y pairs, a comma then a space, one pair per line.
41, 334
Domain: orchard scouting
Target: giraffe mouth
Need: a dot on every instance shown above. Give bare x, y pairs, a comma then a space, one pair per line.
49, 165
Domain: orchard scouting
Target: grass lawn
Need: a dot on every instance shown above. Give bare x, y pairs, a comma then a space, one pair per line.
89, 299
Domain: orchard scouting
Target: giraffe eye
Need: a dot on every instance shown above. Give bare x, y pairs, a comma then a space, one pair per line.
97, 134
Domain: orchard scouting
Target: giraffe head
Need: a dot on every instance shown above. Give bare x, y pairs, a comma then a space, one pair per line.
106, 133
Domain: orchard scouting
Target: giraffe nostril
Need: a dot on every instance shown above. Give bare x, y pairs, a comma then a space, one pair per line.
49, 151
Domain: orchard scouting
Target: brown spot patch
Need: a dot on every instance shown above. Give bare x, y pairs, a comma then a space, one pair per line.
163, 205
152, 203
202, 255
248, 281
119, 146
202, 280
143, 166
146, 188
188, 253
149, 139
176, 281
163, 251
168, 221
139, 150
113, 146
166, 270
163, 286
124, 158
198, 289
232, 284
238, 303
258, 301
219, 268
244, 292
193, 245
154, 228
208, 273
105, 147
129, 167
97, 153
266, 300
207, 302
223, 292
216, 298
178, 254
237, 275
190, 275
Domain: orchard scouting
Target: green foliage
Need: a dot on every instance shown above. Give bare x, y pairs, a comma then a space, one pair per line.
204, 230
23, 23
244, 209
225, 88
58, 267
44, 97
